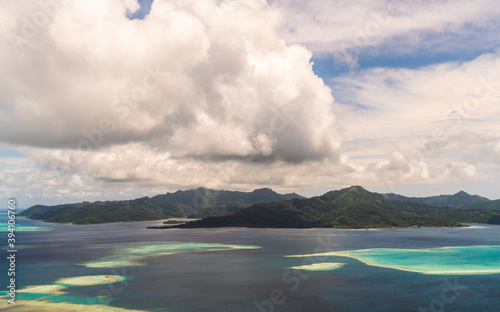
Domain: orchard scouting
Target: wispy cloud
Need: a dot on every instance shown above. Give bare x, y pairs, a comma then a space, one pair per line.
348, 29
433, 124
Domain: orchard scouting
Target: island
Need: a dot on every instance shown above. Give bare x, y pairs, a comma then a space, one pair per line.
197, 203
349, 208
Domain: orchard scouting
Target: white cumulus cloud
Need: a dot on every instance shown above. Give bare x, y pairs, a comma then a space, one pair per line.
194, 87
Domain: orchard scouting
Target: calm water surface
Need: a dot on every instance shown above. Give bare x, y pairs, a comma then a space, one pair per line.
249, 280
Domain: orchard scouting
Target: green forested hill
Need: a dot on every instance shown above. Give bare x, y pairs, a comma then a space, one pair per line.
207, 198
493, 204
192, 203
352, 207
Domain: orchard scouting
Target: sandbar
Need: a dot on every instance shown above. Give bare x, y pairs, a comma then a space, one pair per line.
325, 266
89, 280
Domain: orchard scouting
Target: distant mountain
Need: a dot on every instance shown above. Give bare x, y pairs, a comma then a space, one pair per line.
204, 198
192, 203
458, 200
352, 207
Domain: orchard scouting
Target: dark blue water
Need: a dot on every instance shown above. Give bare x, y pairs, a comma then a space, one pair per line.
254, 279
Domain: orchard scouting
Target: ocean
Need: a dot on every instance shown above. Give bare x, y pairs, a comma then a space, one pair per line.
241, 269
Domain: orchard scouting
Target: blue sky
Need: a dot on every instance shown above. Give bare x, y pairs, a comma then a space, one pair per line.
327, 67
119, 99
11, 153
145, 7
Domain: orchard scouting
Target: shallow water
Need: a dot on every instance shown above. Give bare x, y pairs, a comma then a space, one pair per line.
232, 279
468, 260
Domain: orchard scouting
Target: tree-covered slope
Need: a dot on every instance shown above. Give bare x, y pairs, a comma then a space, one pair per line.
352, 207
203, 198
191, 203
494, 204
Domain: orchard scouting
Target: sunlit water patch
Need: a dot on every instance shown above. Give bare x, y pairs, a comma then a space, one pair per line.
469, 260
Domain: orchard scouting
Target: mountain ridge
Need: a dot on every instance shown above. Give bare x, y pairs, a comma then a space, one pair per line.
352, 207
195, 203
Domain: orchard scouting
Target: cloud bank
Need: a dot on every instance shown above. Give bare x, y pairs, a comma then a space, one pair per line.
222, 94
174, 98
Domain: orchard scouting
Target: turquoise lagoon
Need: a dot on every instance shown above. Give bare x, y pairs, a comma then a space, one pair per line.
469, 260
